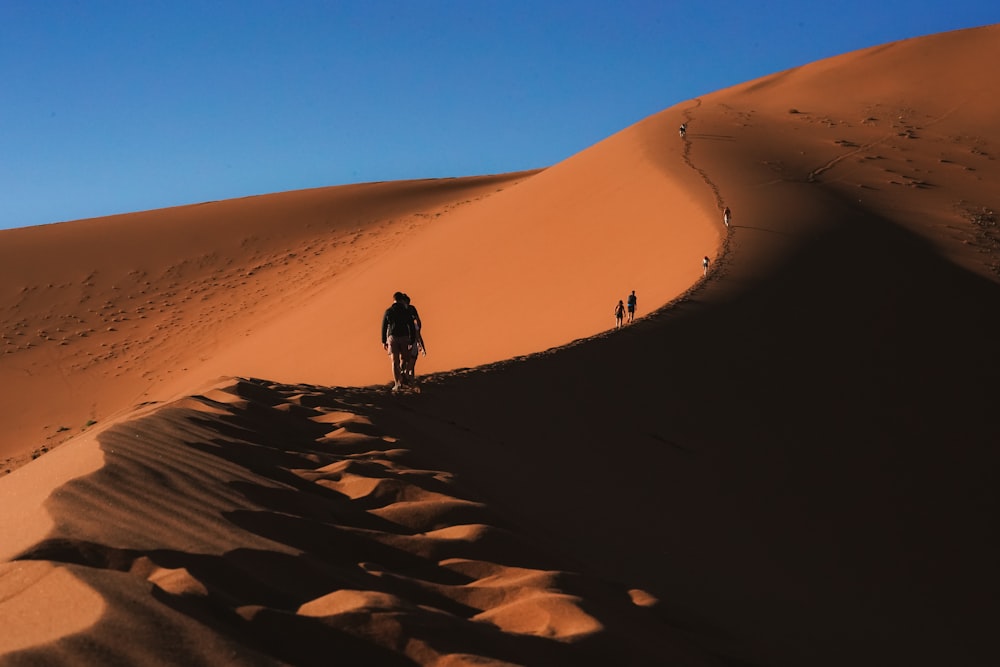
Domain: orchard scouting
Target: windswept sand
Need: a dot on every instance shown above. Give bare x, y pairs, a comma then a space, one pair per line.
792, 463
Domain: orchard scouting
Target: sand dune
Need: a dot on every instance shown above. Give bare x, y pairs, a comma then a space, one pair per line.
263, 285
102, 314
287, 526
793, 461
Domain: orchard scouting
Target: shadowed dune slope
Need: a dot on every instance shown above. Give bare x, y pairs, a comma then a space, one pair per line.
793, 463
800, 457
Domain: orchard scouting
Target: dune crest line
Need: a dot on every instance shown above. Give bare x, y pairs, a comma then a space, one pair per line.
285, 511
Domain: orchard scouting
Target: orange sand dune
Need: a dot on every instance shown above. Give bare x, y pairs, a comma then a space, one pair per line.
99, 315
286, 526
794, 462
140, 307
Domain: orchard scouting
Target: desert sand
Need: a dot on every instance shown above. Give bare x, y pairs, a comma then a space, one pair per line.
790, 461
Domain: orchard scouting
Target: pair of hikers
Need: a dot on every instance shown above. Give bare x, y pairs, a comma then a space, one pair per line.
401, 338
621, 309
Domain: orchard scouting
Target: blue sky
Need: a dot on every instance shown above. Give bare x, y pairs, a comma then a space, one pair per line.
112, 107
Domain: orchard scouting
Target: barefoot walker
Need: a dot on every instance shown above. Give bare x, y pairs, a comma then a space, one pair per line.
416, 344
397, 332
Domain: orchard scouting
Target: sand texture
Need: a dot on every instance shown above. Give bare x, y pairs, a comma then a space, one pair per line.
791, 460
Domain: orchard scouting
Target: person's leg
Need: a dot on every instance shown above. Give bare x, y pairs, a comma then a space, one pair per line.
393, 363
404, 369
397, 350
397, 367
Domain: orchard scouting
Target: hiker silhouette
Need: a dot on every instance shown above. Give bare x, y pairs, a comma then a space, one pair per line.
619, 314
416, 344
398, 330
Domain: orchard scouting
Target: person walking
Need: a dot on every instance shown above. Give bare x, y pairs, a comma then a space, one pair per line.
416, 344
397, 332
631, 306
619, 314
704, 264
727, 215
682, 130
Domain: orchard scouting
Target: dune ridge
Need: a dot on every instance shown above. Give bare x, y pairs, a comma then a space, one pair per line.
283, 514
791, 460
264, 283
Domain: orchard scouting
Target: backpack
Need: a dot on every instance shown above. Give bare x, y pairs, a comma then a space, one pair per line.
398, 320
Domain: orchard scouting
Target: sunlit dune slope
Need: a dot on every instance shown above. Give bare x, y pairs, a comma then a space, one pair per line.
100, 315
794, 463
538, 264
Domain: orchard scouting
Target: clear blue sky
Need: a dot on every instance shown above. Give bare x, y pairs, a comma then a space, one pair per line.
118, 106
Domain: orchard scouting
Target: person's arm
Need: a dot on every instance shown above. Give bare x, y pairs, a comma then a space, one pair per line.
415, 335
385, 327
411, 328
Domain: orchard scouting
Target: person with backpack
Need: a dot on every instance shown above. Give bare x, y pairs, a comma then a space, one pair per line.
416, 345
398, 330
619, 314
631, 306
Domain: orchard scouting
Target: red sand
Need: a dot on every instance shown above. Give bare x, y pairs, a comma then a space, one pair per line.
794, 462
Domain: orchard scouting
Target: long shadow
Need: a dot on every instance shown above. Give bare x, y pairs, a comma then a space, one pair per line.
839, 407
278, 582
250, 596
711, 137
802, 465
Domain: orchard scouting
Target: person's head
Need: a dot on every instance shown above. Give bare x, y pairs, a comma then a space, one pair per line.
406, 299
398, 297
620, 302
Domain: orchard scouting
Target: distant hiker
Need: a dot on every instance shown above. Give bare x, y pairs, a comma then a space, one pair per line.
619, 314
704, 264
683, 130
416, 343
631, 306
397, 332
727, 215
